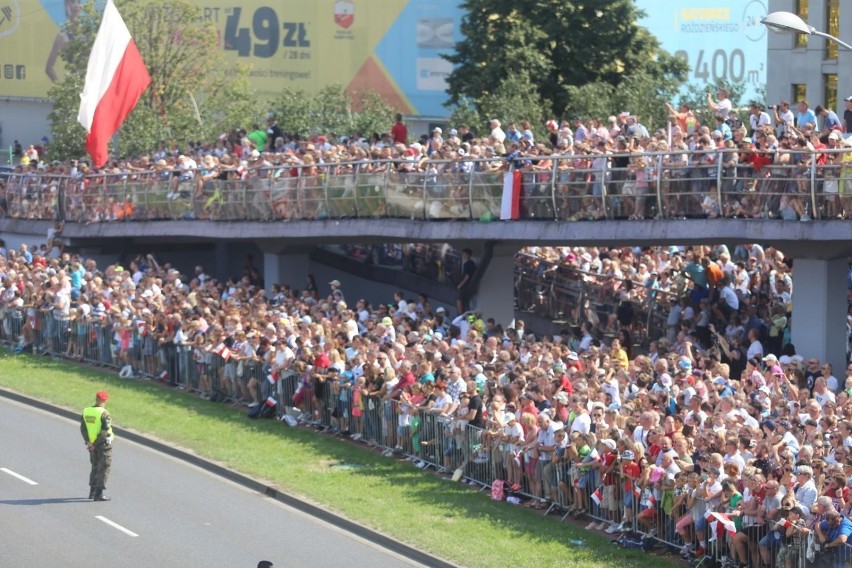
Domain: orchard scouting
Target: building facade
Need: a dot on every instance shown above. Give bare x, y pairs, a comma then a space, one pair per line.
803, 67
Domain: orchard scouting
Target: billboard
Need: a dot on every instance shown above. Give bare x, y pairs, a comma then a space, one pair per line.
392, 46
720, 39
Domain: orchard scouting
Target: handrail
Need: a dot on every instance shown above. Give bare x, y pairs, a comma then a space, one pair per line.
245, 193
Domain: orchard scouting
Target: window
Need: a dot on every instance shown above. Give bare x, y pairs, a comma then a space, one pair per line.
830, 90
800, 93
802, 12
832, 18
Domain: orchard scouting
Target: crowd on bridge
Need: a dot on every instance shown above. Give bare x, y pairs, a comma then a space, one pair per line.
719, 440
792, 165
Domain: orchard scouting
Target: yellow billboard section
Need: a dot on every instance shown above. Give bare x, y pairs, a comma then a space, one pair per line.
27, 38
289, 44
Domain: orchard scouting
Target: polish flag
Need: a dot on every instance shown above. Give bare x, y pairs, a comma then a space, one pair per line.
115, 79
222, 352
720, 523
270, 402
597, 496
510, 205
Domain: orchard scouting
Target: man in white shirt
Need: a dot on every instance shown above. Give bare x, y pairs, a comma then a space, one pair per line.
722, 105
755, 348
757, 118
496, 132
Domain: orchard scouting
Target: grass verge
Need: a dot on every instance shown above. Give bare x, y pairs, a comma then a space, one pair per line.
446, 519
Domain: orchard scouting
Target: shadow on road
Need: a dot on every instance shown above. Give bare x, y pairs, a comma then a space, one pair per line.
31, 502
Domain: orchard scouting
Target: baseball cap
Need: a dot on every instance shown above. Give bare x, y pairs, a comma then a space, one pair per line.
387, 321
628, 455
102, 395
609, 444
848, 99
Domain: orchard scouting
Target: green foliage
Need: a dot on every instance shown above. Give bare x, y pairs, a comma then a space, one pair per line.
515, 100
465, 112
333, 109
182, 56
580, 58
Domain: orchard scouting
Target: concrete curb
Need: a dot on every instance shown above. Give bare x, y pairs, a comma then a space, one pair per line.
337, 521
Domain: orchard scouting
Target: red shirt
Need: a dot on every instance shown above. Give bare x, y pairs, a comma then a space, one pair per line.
399, 133
631, 472
322, 361
607, 460
566, 385
406, 380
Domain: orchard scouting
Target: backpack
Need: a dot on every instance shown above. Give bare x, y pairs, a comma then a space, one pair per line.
267, 409
630, 540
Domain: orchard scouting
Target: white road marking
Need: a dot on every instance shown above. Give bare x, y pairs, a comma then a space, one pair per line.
116, 525
19, 476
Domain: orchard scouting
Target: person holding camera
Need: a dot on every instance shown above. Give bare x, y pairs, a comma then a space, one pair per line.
783, 116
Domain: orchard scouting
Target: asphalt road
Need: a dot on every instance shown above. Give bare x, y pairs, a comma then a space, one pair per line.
180, 514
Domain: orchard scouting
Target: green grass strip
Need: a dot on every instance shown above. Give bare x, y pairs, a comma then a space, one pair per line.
446, 519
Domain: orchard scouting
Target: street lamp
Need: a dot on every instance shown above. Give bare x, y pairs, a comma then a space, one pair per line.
787, 22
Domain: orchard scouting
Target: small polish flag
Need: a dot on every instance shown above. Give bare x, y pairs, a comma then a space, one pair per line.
222, 351
272, 378
115, 79
510, 204
637, 492
271, 402
722, 521
597, 496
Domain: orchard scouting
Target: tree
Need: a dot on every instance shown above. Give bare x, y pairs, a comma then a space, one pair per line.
333, 109
192, 93
564, 48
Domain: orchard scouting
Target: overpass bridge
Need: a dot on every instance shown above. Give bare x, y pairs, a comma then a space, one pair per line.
820, 250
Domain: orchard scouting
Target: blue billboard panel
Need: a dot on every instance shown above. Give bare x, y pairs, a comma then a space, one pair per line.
720, 39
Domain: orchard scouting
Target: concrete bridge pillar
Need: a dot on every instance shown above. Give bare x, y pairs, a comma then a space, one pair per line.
819, 311
290, 265
495, 297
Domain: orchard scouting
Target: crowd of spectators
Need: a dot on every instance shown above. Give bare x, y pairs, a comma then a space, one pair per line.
793, 166
720, 414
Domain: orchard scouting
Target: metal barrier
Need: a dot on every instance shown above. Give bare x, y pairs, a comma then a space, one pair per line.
666, 185
563, 293
649, 511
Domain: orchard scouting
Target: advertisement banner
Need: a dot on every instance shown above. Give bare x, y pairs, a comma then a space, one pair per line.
391, 46
720, 39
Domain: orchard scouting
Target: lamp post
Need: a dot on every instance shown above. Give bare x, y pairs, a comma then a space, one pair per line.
787, 22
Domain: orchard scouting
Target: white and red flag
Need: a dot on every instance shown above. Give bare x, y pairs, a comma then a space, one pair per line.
115, 79
597, 496
510, 205
720, 523
223, 352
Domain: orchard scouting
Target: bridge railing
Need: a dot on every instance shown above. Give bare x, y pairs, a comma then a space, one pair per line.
666, 185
